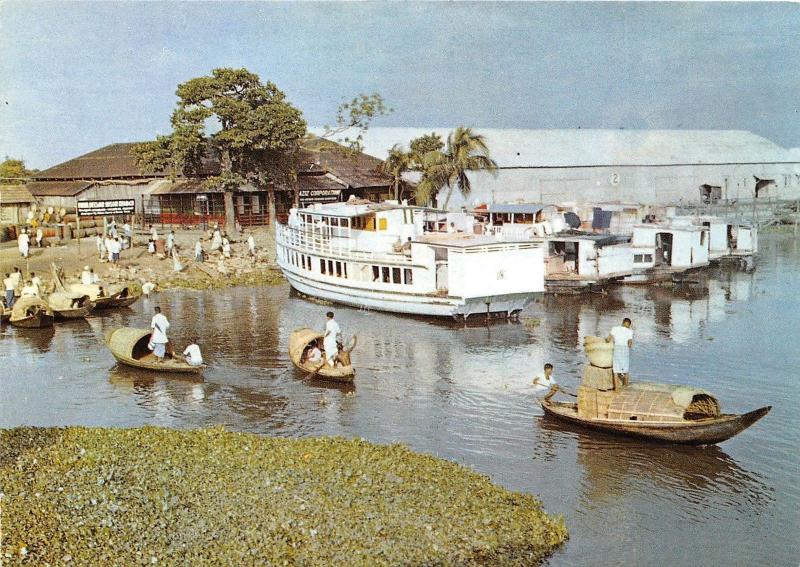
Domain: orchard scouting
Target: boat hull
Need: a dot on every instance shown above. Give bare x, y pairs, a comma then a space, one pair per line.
67, 314
298, 340
38, 321
701, 432
407, 303
125, 343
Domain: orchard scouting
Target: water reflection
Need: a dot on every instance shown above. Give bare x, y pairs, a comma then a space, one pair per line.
40, 340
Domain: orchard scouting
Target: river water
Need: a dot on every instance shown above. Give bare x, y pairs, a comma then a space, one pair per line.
464, 394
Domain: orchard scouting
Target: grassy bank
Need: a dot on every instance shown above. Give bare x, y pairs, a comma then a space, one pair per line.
208, 497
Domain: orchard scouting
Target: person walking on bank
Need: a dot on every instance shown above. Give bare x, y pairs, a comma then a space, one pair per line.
622, 337
198, 250
160, 325
332, 337
226, 246
251, 244
101, 247
170, 242
24, 242
39, 237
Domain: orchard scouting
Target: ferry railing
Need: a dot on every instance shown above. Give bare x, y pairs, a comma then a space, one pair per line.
321, 242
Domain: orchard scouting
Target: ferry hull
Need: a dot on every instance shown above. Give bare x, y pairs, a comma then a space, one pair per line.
410, 304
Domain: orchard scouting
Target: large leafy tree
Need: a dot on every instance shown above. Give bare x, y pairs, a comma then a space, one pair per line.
13, 171
396, 164
466, 151
230, 115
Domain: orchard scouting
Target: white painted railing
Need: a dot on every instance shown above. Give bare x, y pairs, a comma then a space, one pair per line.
322, 244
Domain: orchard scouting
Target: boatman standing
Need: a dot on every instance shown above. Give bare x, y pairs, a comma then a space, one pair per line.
332, 334
159, 339
622, 337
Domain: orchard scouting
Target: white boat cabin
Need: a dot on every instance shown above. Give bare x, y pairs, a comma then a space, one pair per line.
727, 239
663, 249
393, 257
573, 259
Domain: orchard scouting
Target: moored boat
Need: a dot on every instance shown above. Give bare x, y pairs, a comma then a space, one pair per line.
103, 297
299, 342
69, 306
129, 346
31, 313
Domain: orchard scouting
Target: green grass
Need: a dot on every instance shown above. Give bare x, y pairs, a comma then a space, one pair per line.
211, 497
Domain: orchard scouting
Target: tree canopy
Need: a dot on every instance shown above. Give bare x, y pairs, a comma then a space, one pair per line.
13, 171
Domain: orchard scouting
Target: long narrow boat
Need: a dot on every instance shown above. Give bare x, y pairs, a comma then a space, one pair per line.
112, 296
129, 346
31, 313
707, 431
299, 341
69, 306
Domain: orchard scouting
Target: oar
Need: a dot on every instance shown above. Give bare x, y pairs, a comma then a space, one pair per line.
312, 374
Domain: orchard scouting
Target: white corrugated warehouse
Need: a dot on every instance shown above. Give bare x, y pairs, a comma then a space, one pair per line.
644, 166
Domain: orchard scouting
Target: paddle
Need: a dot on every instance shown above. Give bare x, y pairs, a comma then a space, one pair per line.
315, 372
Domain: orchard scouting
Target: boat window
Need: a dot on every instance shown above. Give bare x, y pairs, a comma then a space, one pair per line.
385, 274
396, 275
638, 258
383, 224
322, 266
702, 237
330, 267
338, 269
375, 273
334, 221
648, 257
370, 223
407, 276
344, 266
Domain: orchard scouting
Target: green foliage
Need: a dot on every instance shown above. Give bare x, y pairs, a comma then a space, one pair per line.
250, 126
13, 171
466, 151
396, 164
357, 114
79, 496
426, 143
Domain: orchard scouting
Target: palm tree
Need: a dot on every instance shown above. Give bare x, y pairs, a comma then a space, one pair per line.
395, 165
466, 151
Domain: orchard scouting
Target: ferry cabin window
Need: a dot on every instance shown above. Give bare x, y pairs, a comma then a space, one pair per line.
383, 224
648, 257
638, 258
375, 273
370, 223
385, 274
322, 266
702, 237
338, 269
407, 276
330, 267
396, 276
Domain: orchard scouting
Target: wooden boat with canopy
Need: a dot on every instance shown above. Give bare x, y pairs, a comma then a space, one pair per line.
660, 412
129, 346
69, 305
299, 343
31, 313
104, 297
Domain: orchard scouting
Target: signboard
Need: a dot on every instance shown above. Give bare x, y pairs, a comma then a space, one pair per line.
106, 207
308, 196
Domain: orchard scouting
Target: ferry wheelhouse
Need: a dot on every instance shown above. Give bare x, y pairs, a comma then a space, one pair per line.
574, 260
728, 239
663, 250
404, 259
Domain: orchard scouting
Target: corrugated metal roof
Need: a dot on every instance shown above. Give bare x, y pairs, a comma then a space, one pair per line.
57, 188
195, 186
517, 148
319, 183
14, 194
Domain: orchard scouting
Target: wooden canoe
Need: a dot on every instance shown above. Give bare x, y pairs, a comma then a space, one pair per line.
706, 431
129, 346
69, 306
5, 314
121, 298
302, 338
31, 313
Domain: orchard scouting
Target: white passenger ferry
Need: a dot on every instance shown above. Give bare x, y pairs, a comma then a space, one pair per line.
404, 259
664, 250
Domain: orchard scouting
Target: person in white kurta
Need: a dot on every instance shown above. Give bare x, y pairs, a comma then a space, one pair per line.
153, 233
37, 283
251, 244
622, 336
101, 247
226, 247
23, 242
332, 334
193, 355
170, 242
545, 382
216, 240
39, 237
86, 276
160, 325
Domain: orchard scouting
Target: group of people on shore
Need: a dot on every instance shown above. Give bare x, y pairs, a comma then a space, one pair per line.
16, 287
24, 241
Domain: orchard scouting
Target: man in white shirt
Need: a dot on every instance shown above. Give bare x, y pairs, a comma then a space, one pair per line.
153, 233
101, 247
314, 355
192, 354
159, 340
23, 242
622, 337
39, 236
37, 283
332, 334
8, 284
170, 242
198, 251
547, 381
251, 244
86, 276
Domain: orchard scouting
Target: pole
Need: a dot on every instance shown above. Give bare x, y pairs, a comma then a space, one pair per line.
78, 221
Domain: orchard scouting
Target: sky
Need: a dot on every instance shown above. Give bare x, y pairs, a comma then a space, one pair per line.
77, 76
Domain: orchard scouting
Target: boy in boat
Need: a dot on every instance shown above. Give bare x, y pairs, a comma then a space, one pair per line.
192, 354
547, 381
314, 354
622, 337
332, 334
159, 339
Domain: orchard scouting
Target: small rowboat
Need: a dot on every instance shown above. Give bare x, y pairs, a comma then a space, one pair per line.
129, 346
706, 431
5, 314
69, 306
31, 313
300, 340
113, 296
120, 298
